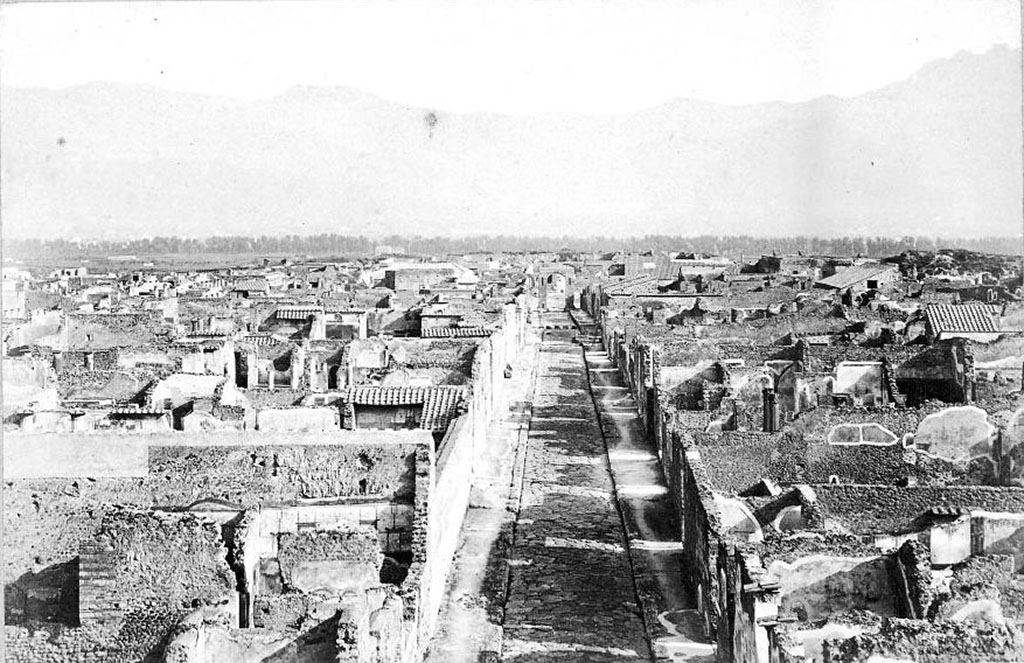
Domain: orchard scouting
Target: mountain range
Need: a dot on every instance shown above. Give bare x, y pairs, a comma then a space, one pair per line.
937, 154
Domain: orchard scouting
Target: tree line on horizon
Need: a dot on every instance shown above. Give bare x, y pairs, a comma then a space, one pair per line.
329, 244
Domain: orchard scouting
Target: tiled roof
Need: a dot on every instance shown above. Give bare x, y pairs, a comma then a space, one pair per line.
665, 269
296, 312
261, 339
251, 284
853, 275
340, 308
440, 404
375, 395
636, 265
137, 409
964, 318
640, 285
457, 332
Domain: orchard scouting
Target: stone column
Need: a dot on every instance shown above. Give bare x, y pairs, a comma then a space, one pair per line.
252, 371
770, 418
318, 327
298, 366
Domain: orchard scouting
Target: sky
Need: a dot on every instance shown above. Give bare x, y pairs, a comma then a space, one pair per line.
510, 57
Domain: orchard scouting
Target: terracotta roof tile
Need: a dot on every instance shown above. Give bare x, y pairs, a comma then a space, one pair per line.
964, 318
639, 285
441, 404
261, 339
457, 332
376, 395
252, 284
296, 312
137, 409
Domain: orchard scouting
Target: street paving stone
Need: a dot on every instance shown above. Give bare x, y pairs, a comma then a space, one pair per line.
551, 578
571, 595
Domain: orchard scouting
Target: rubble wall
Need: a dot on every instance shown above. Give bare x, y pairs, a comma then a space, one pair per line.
700, 537
156, 568
816, 586
46, 519
885, 508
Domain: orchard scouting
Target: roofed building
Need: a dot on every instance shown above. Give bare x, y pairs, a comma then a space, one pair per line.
861, 277
977, 322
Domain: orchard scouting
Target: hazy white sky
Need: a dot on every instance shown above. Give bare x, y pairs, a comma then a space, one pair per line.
513, 57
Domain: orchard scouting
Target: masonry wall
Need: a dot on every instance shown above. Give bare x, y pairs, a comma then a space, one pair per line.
459, 458
737, 638
142, 573
367, 627
416, 502
736, 460
873, 509
299, 419
686, 475
46, 520
816, 586
913, 579
929, 642
700, 537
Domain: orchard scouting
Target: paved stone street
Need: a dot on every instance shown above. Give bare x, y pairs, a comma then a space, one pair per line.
571, 594
551, 555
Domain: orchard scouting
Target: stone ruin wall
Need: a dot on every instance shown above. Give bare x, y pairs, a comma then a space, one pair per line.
51, 520
48, 520
139, 574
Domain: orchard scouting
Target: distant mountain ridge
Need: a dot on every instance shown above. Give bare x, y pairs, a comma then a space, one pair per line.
936, 154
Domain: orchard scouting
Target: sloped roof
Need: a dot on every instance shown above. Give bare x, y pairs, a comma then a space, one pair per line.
376, 395
665, 269
337, 307
440, 407
638, 285
457, 332
251, 284
296, 312
853, 275
440, 404
263, 339
128, 409
964, 318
